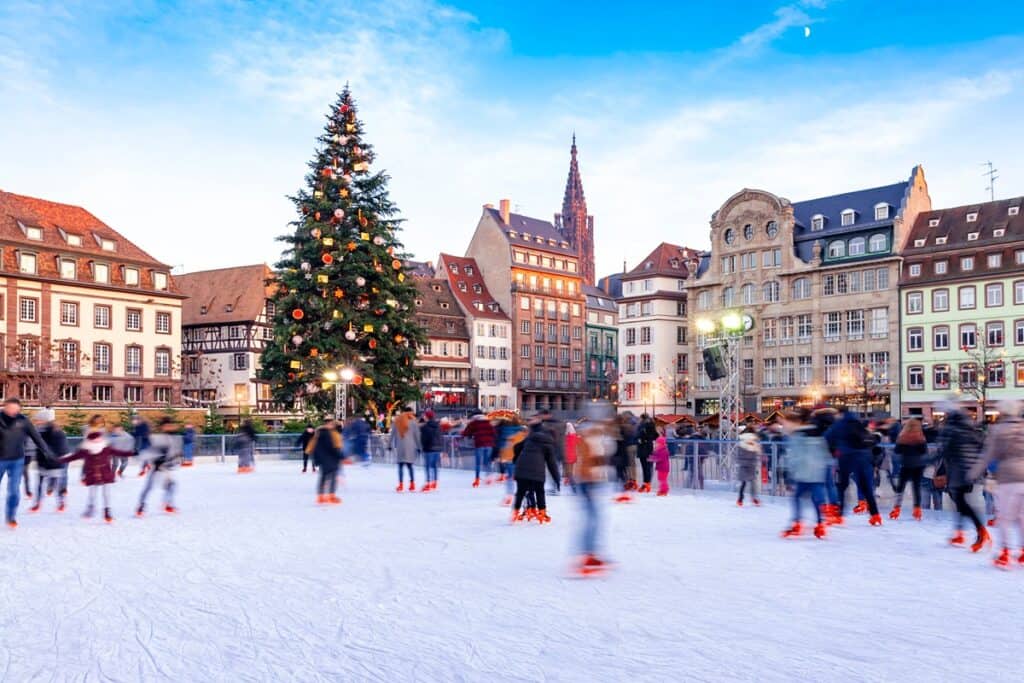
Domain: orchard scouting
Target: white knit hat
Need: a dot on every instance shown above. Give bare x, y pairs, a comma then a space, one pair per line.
44, 415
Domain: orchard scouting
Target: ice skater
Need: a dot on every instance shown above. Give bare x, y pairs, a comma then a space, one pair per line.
245, 447
97, 469
748, 466
510, 437
661, 458
1005, 446
852, 440
163, 457
140, 431
405, 440
303, 442
959, 455
808, 462
912, 450
595, 449
433, 444
15, 428
483, 434
52, 474
325, 448
121, 441
537, 453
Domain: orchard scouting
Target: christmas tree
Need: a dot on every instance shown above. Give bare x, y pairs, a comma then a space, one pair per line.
342, 298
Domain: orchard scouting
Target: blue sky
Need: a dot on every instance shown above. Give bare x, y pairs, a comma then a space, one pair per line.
184, 125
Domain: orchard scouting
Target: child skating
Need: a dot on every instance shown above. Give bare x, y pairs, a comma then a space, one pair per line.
807, 460
97, 468
163, 457
748, 466
661, 458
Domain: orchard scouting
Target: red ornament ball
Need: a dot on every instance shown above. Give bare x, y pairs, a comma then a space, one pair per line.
327, 259
298, 314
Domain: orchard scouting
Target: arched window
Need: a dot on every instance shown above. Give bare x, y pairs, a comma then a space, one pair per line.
836, 249
878, 242
817, 222
771, 229
749, 296
728, 297
857, 246
730, 236
848, 217
802, 288
748, 231
770, 292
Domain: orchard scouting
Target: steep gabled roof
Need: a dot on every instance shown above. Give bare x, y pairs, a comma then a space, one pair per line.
225, 295
550, 238
598, 299
468, 286
666, 259
438, 311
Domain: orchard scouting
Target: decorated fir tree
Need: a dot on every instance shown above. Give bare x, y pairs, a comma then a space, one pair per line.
342, 297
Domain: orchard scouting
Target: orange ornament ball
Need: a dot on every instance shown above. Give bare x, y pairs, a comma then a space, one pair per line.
351, 246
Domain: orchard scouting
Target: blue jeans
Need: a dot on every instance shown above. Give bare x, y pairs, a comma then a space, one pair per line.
931, 496
430, 462
483, 460
187, 451
401, 472
815, 491
859, 467
831, 492
13, 469
587, 492
509, 470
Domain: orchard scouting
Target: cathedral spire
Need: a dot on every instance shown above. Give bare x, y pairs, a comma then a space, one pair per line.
576, 225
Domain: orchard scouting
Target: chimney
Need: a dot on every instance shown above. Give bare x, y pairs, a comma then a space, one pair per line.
504, 210
488, 206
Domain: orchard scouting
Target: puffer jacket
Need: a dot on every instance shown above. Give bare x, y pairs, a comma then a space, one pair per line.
58, 443
807, 456
538, 451
959, 450
912, 454
96, 453
1004, 445
430, 437
325, 447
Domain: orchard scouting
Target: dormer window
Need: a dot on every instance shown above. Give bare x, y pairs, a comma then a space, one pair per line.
107, 245
837, 249
972, 217
920, 243
817, 222
971, 236
915, 270
26, 263
526, 236
419, 303
454, 268
202, 310
101, 273
511, 233
881, 211
1013, 211
848, 217
462, 286
477, 288
478, 305
469, 270
160, 281
878, 242
538, 239
444, 305
235, 332
68, 268
131, 277
941, 240
999, 232
34, 233
73, 240
436, 288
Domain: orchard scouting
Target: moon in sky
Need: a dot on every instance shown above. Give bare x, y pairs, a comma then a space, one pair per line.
807, 31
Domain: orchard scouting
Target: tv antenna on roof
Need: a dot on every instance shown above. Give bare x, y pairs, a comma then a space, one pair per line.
991, 173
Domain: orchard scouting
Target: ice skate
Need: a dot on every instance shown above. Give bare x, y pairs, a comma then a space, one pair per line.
739, 503
662, 493
35, 508
590, 565
333, 499
107, 517
400, 487
992, 522
1003, 561
757, 502
542, 517
983, 540
820, 530
60, 506
141, 510
321, 499
170, 509
793, 531
958, 538
1020, 560
506, 501
918, 514
876, 520
11, 524
860, 508
476, 483
88, 512
837, 521
895, 514
623, 497
412, 486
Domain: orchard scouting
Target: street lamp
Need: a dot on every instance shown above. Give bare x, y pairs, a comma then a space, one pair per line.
340, 378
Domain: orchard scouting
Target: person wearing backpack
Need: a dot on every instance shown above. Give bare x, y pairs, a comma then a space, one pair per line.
959, 455
854, 443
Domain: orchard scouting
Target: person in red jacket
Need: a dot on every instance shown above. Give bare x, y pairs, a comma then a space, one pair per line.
484, 436
97, 470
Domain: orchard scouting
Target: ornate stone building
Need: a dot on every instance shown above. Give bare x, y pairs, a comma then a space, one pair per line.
820, 279
574, 223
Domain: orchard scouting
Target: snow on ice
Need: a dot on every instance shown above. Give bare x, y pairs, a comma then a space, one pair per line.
253, 582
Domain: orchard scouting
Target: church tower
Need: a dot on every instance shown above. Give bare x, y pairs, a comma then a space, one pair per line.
573, 223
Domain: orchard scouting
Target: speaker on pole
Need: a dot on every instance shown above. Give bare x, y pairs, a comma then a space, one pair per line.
714, 362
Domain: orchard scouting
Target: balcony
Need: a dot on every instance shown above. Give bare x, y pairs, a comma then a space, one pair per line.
552, 315
539, 360
564, 363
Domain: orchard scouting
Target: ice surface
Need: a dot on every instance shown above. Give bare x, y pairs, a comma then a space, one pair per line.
253, 582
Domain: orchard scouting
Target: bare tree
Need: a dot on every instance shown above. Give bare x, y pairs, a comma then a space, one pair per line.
44, 372
984, 370
201, 379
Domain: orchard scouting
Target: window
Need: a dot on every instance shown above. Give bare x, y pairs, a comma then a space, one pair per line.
941, 240
770, 330
772, 258
69, 356
836, 249
915, 377
748, 261
881, 212
994, 294
728, 297
915, 339
1019, 367
967, 298
645, 362
855, 324
968, 336
882, 278
101, 358
829, 285
940, 377
69, 393
940, 267
803, 326
27, 263
833, 326
68, 269
832, 364
940, 300
966, 263
802, 288
730, 236
994, 333
524, 327
69, 313
162, 395
101, 273
770, 367
524, 350
163, 322
107, 245
133, 394
680, 311
879, 323
645, 335
728, 264
786, 329
102, 393
101, 317
915, 302
28, 310
631, 363
160, 281
1018, 257
817, 222
968, 375
704, 300
771, 229
996, 375
940, 338
847, 217
133, 360
239, 361
162, 362
630, 336
915, 270
787, 376
748, 231
878, 242
857, 246
972, 217
748, 294
770, 292
34, 233
133, 320
680, 335
131, 277
1018, 332
994, 260
805, 371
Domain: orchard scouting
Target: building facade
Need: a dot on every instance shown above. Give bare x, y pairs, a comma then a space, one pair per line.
490, 331
574, 223
602, 339
226, 323
654, 353
89, 318
820, 280
447, 381
962, 297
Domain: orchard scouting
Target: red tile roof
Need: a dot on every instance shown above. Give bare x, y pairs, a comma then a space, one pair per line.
467, 283
58, 221
666, 259
228, 295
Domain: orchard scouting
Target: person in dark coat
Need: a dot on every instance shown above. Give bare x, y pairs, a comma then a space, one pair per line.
432, 442
15, 428
912, 449
484, 436
303, 441
51, 473
325, 448
959, 452
852, 440
537, 453
357, 438
646, 435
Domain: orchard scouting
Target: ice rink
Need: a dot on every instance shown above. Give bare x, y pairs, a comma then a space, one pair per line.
252, 581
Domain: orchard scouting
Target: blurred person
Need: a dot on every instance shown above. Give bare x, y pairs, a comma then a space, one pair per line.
823, 418
303, 442
748, 465
483, 434
357, 434
140, 431
123, 442
912, 449
510, 438
15, 428
245, 447
538, 452
97, 470
51, 473
405, 440
646, 434
163, 456
1004, 446
808, 462
432, 444
325, 449
571, 439
596, 445
188, 444
851, 439
959, 454
661, 459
